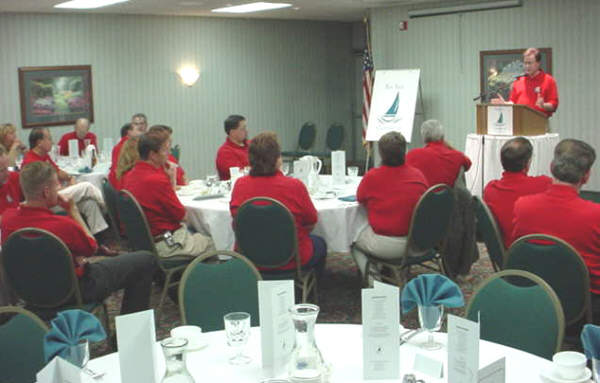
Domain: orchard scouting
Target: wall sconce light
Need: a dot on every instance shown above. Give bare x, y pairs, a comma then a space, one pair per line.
188, 75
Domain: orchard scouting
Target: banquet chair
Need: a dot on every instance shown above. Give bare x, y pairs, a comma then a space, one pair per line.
208, 291
110, 196
461, 180
176, 152
306, 139
40, 270
487, 229
139, 237
21, 345
559, 264
428, 227
527, 316
266, 234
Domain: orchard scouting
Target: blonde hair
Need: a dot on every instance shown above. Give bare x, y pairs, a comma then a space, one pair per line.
128, 156
6, 129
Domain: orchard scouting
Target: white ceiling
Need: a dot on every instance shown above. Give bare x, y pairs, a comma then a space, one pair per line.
339, 10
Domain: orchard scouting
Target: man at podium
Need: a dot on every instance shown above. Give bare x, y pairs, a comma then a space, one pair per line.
536, 88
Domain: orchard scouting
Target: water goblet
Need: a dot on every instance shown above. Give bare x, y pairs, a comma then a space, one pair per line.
430, 318
78, 354
237, 329
285, 168
596, 369
352, 171
19, 160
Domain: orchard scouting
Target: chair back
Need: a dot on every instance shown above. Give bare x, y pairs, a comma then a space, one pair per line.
21, 345
335, 137
529, 318
461, 180
559, 264
110, 196
307, 136
133, 218
265, 233
208, 291
431, 218
39, 268
176, 151
490, 233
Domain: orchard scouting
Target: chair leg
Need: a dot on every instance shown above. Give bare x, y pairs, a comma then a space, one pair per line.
163, 295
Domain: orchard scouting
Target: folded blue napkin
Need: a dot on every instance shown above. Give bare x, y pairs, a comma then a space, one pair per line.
68, 328
348, 198
590, 337
86, 169
431, 290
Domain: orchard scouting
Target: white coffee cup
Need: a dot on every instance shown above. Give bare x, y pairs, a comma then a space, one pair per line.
193, 334
569, 364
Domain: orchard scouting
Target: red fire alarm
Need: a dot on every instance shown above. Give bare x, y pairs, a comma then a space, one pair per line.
403, 25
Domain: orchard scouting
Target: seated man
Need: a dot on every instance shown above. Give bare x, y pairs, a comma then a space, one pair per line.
87, 197
438, 161
81, 133
501, 195
10, 189
560, 212
154, 189
132, 272
179, 172
135, 128
234, 152
390, 193
267, 180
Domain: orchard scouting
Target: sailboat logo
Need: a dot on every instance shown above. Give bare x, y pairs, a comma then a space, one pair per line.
392, 113
500, 121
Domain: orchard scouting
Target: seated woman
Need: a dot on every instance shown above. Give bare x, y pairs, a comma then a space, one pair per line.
128, 157
266, 180
390, 194
12, 145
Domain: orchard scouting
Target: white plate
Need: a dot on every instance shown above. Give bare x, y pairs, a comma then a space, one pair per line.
549, 376
199, 344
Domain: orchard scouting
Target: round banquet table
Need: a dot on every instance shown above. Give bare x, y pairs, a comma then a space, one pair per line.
339, 222
341, 346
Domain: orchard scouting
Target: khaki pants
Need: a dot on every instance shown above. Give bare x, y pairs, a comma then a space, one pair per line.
189, 244
90, 203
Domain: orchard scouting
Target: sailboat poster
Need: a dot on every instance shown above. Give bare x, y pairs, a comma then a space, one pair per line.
394, 101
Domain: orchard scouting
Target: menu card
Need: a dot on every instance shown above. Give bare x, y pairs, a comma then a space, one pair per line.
381, 332
73, 148
276, 328
463, 350
136, 339
338, 167
59, 370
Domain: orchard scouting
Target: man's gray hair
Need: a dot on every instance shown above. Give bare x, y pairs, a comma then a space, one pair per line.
432, 130
572, 160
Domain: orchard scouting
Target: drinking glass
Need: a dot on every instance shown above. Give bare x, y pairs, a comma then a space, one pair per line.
285, 168
174, 352
211, 180
237, 329
596, 370
78, 354
19, 160
352, 171
87, 142
430, 318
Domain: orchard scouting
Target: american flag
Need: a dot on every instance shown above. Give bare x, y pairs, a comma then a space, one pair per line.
367, 86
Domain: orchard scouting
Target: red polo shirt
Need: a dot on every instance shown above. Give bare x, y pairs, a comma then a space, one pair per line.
153, 190
525, 91
559, 211
65, 228
112, 174
10, 192
501, 195
438, 163
292, 194
180, 174
63, 144
390, 194
32, 156
231, 155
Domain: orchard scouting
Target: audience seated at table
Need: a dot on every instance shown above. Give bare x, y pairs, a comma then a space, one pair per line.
11, 143
501, 195
390, 193
154, 189
10, 189
234, 151
135, 128
560, 212
132, 272
439, 162
88, 198
81, 133
180, 173
267, 180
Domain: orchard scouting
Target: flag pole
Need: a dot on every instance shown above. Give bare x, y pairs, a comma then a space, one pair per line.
367, 144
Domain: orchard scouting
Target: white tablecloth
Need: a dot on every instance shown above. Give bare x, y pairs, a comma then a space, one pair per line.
484, 152
341, 345
99, 173
339, 223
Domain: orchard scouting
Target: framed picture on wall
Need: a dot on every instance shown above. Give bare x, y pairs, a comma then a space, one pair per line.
497, 70
55, 95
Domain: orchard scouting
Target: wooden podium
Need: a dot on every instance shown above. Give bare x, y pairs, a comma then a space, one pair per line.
496, 120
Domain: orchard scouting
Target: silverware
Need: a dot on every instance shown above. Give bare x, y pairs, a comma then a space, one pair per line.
404, 339
93, 374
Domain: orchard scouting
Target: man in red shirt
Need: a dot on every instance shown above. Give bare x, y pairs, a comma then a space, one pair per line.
390, 193
180, 178
154, 189
132, 272
560, 212
10, 189
137, 127
81, 134
234, 151
438, 161
501, 195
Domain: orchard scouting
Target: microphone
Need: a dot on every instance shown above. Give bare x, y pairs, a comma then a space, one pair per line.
519, 75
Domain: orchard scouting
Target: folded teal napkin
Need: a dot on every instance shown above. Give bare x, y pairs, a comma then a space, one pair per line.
348, 198
431, 290
86, 169
590, 337
68, 328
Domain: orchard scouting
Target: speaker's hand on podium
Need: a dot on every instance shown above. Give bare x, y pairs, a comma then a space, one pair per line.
540, 101
498, 100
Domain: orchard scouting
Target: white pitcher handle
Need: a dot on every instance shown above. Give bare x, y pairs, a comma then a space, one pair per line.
320, 163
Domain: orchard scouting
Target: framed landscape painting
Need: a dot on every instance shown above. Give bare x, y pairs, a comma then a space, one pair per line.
55, 95
497, 70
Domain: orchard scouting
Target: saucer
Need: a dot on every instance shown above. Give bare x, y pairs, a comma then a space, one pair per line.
550, 376
197, 344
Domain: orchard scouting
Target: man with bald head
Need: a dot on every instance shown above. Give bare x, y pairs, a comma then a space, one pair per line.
81, 133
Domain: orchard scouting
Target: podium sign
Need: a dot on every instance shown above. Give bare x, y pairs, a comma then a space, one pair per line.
500, 120
510, 120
